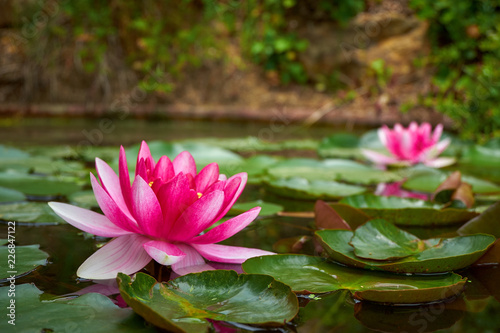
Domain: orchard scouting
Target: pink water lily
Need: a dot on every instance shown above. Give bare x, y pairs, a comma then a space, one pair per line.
162, 215
412, 145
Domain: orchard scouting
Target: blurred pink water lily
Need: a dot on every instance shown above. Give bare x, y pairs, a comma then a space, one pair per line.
161, 216
395, 190
412, 145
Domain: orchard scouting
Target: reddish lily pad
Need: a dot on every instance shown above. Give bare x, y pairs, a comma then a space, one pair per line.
185, 304
307, 274
442, 255
408, 211
327, 218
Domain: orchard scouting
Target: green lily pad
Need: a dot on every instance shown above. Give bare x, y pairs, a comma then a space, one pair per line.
408, 211
88, 313
306, 274
347, 145
380, 240
481, 156
301, 188
24, 258
41, 164
255, 166
253, 144
267, 208
37, 185
9, 195
12, 153
331, 170
84, 199
488, 222
427, 180
185, 304
443, 255
29, 212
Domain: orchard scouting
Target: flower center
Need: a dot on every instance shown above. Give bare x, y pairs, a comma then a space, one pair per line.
151, 183
199, 194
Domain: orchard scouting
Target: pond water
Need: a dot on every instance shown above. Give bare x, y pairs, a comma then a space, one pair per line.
476, 310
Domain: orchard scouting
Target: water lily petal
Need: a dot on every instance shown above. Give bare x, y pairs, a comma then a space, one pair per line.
108, 206
193, 262
146, 207
87, 220
232, 190
174, 197
124, 254
145, 154
125, 178
111, 183
378, 158
207, 176
228, 228
440, 162
164, 253
222, 177
185, 163
228, 254
164, 170
437, 133
197, 217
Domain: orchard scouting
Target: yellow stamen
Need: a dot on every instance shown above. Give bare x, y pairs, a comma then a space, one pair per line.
199, 194
151, 184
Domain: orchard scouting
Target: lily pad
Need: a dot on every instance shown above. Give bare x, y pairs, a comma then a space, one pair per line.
84, 199
306, 274
443, 255
426, 180
7, 153
267, 208
325, 217
255, 166
380, 240
347, 145
9, 195
301, 188
185, 304
37, 185
488, 222
253, 144
29, 212
408, 211
24, 258
41, 164
89, 313
331, 170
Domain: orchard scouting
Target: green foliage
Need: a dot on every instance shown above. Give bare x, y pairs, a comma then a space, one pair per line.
465, 36
163, 40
